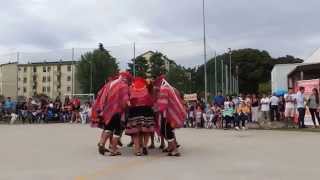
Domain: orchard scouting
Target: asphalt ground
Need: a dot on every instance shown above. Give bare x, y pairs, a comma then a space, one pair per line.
68, 151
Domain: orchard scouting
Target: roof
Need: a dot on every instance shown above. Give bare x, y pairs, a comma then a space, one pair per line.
306, 67
48, 63
315, 57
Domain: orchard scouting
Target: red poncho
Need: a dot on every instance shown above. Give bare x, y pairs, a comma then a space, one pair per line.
111, 99
169, 103
139, 94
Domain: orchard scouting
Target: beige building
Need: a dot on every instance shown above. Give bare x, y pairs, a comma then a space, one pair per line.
50, 78
167, 62
8, 80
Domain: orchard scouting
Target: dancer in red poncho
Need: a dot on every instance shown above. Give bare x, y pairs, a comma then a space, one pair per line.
171, 113
108, 111
140, 124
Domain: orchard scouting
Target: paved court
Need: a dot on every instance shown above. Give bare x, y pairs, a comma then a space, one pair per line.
64, 151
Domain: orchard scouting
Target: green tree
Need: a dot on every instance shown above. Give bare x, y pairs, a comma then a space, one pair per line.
98, 65
141, 66
157, 65
254, 70
178, 78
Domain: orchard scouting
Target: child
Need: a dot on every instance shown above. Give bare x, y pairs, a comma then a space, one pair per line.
198, 115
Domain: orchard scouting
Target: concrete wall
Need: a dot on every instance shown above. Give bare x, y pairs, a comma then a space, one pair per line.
279, 76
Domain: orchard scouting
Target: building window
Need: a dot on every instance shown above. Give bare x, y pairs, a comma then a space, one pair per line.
48, 79
24, 89
24, 80
18, 89
34, 69
49, 69
59, 68
44, 69
69, 68
48, 89
25, 69
69, 78
19, 79
44, 79
34, 78
68, 88
19, 69
43, 89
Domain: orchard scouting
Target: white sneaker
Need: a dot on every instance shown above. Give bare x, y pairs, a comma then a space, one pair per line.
243, 128
237, 128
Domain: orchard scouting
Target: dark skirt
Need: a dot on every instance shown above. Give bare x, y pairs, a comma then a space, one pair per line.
140, 120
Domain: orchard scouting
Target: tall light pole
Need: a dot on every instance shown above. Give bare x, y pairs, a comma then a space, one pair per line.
204, 50
230, 74
215, 73
134, 59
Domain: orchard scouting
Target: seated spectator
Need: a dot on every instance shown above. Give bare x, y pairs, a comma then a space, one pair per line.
242, 115
228, 112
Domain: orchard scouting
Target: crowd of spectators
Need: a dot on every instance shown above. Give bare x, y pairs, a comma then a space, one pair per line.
236, 111
44, 110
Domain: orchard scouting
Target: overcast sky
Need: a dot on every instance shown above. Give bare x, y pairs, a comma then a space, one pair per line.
171, 26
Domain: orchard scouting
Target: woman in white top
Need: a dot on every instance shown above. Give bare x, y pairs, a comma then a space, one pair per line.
265, 107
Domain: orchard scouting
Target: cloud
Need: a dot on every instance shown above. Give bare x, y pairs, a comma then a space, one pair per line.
281, 27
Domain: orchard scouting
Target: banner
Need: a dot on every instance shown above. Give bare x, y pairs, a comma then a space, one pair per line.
308, 85
190, 97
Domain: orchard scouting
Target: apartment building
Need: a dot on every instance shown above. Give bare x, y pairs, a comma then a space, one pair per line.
8, 80
50, 78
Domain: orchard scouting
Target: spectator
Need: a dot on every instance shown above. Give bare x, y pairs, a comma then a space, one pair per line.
242, 115
219, 99
228, 112
282, 103
198, 115
265, 107
313, 104
274, 101
208, 118
290, 101
255, 108
300, 98
8, 105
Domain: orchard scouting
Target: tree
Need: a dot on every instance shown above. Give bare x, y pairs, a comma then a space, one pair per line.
98, 65
254, 71
141, 66
157, 65
178, 78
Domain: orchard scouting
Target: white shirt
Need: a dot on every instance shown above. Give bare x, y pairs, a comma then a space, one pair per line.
265, 104
291, 99
274, 101
300, 100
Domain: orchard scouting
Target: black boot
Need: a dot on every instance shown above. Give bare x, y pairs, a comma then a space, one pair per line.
102, 150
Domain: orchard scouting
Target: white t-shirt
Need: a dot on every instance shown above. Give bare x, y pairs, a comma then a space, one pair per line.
265, 102
291, 99
274, 101
300, 100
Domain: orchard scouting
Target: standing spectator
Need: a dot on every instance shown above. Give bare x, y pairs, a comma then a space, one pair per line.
265, 107
274, 101
248, 101
290, 101
301, 106
198, 115
255, 108
282, 103
219, 99
313, 104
